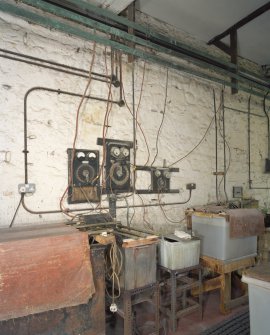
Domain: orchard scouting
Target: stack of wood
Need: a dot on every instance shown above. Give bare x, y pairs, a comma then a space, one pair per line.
264, 247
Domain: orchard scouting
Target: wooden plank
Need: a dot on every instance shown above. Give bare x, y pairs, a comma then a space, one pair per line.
220, 266
239, 264
221, 173
130, 242
225, 292
208, 285
209, 215
109, 239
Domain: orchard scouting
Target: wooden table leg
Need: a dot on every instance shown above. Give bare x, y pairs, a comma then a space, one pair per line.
225, 292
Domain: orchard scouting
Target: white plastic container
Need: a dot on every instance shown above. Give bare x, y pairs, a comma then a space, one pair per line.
259, 302
176, 253
214, 233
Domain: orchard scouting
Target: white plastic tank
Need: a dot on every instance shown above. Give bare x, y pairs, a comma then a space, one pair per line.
176, 253
258, 280
214, 233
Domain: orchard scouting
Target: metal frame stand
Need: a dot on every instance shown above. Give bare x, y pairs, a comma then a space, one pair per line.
176, 286
130, 298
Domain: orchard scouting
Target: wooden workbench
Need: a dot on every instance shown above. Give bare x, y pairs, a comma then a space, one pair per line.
224, 270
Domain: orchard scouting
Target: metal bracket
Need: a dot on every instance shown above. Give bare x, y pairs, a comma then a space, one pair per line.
154, 180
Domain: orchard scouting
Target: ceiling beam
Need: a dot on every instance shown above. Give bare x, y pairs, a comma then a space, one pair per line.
241, 23
222, 46
78, 25
234, 58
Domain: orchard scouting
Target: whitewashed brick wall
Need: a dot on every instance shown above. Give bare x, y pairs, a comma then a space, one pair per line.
51, 123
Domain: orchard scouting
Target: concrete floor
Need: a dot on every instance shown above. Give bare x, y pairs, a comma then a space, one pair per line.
190, 324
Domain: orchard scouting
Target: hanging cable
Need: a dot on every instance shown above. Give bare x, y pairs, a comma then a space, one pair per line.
146, 223
196, 146
70, 182
128, 222
16, 211
163, 116
137, 111
164, 213
135, 118
114, 266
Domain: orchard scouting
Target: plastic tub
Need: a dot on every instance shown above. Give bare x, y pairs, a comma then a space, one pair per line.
259, 299
176, 253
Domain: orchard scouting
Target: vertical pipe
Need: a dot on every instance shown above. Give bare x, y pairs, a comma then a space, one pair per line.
249, 153
216, 149
134, 125
249, 172
224, 146
268, 124
25, 149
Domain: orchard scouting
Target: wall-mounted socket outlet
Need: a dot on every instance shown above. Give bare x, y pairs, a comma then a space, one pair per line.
191, 186
27, 188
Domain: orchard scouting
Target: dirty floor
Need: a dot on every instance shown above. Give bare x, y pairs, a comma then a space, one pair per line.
190, 324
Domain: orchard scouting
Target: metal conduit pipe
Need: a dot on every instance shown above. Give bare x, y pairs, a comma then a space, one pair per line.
104, 16
66, 28
241, 111
268, 124
69, 210
249, 154
158, 45
57, 91
25, 151
224, 148
42, 60
60, 67
52, 68
216, 145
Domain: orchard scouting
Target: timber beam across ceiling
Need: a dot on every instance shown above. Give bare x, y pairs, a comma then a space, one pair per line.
232, 50
145, 40
241, 23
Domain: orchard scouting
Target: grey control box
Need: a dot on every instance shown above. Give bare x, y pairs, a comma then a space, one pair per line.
237, 191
